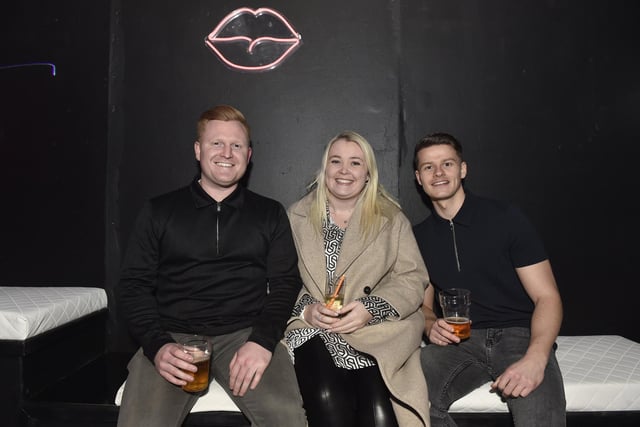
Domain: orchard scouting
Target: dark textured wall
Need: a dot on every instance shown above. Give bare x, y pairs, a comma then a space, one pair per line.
53, 135
545, 97
344, 76
543, 94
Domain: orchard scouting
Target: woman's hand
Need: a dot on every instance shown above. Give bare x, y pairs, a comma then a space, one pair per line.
319, 316
352, 317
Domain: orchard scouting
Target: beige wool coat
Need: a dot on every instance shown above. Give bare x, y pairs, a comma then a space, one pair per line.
388, 265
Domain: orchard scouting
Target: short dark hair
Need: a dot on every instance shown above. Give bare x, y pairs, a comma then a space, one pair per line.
438, 138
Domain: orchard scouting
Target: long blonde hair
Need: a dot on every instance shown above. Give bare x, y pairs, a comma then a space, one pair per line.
371, 196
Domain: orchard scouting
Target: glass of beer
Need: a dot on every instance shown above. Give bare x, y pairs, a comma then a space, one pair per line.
455, 303
334, 293
198, 347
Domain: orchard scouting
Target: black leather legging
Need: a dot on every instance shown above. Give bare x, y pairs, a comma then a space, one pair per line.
339, 397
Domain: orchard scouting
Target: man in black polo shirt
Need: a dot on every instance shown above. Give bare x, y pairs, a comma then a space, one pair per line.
490, 248
213, 259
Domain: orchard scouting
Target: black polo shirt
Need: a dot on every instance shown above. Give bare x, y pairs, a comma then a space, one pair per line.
479, 250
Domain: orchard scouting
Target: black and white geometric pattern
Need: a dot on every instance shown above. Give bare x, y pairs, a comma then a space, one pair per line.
379, 309
333, 236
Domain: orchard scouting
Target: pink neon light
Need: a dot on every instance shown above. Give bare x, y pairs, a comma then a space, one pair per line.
214, 40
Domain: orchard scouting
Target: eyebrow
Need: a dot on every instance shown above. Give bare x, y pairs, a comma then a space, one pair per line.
448, 159
351, 157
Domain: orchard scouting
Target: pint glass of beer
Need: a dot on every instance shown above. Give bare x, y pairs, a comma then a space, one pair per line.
455, 303
198, 347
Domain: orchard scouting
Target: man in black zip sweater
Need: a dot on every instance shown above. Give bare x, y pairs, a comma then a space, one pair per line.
218, 260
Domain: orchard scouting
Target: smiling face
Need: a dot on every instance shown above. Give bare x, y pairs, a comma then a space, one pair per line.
346, 172
223, 152
440, 172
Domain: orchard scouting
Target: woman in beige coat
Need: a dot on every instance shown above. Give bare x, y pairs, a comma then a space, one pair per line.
357, 365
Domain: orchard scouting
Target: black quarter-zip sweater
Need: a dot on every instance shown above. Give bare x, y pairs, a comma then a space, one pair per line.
195, 265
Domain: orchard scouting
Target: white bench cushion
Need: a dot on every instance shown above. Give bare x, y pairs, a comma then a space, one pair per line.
601, 373
28, 311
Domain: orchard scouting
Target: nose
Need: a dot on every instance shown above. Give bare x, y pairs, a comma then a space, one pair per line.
226, 150
437, 171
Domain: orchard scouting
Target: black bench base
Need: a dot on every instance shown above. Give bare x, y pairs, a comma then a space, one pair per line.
85, 399
27, 367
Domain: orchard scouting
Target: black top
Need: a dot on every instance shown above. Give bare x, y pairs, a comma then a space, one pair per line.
479, 250
195, 265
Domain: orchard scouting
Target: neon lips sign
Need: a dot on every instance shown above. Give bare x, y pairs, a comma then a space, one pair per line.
253, 39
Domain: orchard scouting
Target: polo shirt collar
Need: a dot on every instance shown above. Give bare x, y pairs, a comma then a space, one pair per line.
201, 199
466, 212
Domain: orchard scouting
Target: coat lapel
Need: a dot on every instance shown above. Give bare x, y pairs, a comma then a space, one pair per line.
311, 246
355, 242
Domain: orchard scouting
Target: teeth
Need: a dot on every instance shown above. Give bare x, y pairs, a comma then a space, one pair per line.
225, 165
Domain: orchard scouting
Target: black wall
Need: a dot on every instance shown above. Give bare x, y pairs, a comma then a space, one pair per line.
543, 94
53, 135
545, 97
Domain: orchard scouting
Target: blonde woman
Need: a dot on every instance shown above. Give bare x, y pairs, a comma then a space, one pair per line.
357, 365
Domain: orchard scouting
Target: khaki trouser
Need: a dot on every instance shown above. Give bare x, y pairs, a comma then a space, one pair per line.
151, 401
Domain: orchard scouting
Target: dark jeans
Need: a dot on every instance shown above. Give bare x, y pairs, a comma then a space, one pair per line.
454, 371
339, 397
